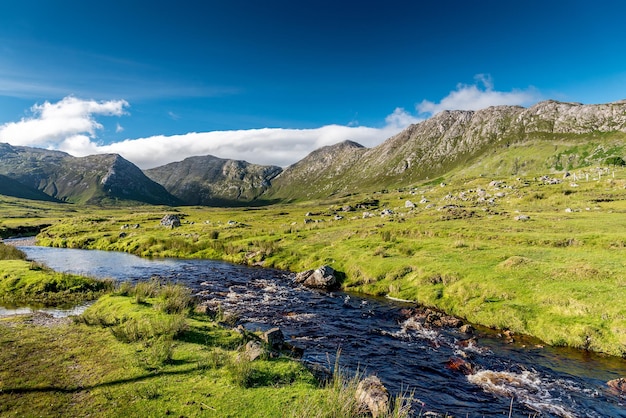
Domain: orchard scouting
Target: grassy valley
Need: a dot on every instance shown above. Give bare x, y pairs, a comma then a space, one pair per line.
504, 251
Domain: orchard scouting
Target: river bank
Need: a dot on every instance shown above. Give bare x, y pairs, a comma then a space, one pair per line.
405, 349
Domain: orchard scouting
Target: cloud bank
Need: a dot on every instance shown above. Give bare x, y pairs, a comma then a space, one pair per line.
479, 96
70, 125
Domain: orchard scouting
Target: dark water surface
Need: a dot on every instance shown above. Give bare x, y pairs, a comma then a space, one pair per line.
375, 337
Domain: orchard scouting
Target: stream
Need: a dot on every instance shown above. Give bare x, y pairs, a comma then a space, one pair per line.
375, 336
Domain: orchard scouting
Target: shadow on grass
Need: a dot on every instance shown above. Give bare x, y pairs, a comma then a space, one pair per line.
45, 389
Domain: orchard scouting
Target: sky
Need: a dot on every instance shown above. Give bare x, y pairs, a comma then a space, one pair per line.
269, 82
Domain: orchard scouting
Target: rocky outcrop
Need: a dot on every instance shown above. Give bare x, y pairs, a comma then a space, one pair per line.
322, 278
170, 221
618, 385
441, 143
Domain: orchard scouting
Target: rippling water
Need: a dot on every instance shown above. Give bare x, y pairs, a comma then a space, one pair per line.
375, 336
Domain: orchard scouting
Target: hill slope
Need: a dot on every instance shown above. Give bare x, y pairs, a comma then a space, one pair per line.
454, 139
13, 188
93, 179
208, 180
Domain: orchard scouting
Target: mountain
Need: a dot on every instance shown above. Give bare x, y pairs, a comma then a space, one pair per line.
13, 188
212, 181
499, 140
321, 173
581, 135
93, 179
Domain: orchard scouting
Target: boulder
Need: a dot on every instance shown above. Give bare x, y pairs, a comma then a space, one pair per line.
408, 204
372, 396
321, 278
619, 385
254, 350
170, 221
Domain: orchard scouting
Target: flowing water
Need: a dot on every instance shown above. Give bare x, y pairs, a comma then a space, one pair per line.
375, 335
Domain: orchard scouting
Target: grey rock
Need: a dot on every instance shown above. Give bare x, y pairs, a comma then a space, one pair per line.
372, 396
321, 278
170, 221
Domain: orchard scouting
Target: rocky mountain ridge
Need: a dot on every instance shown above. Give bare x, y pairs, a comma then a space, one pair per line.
444, 142
209, 180
447, 140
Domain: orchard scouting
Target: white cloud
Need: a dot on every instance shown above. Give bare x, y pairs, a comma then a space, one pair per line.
119, 128
260, 146
59, 125
70, 125
400, 119
479, 96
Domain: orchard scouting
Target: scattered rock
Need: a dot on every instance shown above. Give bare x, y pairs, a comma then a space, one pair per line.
408, 204
466, 329
372, 396
292, 350
321, 278
460, 365
170, 221
522, 218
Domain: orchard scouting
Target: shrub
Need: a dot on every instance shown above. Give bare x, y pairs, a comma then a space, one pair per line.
174, 299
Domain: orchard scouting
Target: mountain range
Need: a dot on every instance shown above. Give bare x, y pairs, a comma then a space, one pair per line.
499, 140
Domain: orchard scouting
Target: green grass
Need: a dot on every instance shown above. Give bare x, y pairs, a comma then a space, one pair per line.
568, 291
568, 288
28, 283
129, 358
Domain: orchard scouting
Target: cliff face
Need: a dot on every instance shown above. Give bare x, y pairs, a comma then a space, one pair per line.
208, 180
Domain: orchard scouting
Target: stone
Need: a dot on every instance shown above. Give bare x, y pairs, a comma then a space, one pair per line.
170, 221
321, 278
466, 329
618, 385
522, 218
254, 350
372, 396
274, 338
408, 204
460, 365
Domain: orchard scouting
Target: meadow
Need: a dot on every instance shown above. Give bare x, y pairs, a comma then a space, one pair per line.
536, 255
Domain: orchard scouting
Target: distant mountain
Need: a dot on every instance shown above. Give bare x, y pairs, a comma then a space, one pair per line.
452, 140
212, 181
502, 140
319, 174
93, 179
13, 188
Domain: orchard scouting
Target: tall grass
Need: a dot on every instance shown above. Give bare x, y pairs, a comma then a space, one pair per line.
8, 252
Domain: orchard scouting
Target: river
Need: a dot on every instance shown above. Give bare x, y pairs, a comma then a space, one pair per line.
376, 336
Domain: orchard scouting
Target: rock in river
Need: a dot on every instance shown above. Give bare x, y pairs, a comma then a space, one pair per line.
321, 278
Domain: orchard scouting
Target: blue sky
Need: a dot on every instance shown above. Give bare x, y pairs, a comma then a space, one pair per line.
270, 81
